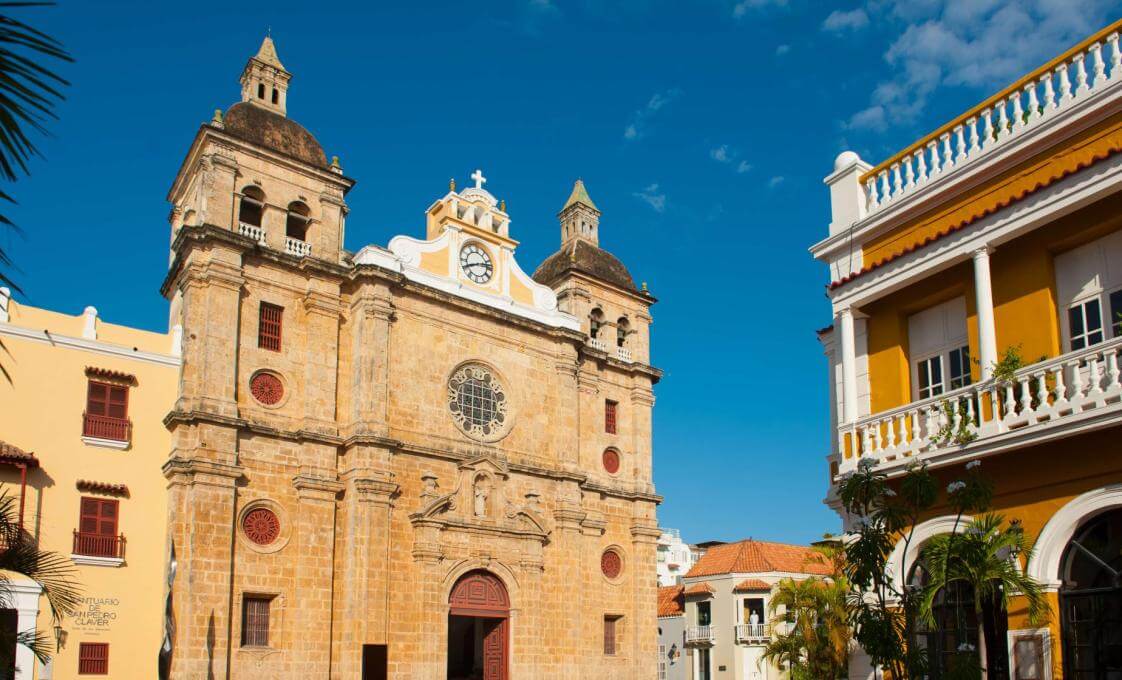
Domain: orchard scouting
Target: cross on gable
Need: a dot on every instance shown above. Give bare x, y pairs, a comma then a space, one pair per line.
479, 179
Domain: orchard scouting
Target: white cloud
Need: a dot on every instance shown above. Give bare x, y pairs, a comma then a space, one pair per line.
741, 8
652, 197
775, 181
978, 44
840, 21
637, 127
743, 167
782, 49
721, 154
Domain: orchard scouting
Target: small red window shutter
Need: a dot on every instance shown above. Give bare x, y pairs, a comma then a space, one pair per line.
97, 399
610, 417
609, 635
118, 402
270, 322
98, 516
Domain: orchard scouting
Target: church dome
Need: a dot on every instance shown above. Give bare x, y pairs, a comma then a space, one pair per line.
258, 125
582, 256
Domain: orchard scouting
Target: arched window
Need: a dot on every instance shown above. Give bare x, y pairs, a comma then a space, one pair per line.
276, 96
595, 322
260, 90
623, 328
298, 219
252, 206
956, 623
1091, 598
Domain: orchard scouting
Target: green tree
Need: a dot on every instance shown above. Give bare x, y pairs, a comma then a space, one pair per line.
21, 558
811, 635
985, 557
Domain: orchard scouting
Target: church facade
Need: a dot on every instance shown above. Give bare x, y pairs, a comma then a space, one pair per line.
413, 461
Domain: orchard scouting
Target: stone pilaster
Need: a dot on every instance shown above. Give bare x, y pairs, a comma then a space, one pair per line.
321, 322
202, 497
312, 593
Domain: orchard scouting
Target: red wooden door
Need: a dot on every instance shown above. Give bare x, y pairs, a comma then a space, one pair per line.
494, 651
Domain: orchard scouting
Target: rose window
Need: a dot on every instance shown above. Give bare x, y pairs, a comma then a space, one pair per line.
611, 564
261, 526
266, 388
478, 402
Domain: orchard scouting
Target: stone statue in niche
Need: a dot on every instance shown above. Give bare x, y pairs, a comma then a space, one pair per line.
430, 488
482, 493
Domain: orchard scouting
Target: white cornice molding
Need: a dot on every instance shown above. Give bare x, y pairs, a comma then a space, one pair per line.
95, 346
1035, 210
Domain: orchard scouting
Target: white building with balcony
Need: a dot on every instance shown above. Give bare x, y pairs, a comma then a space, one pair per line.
726, 594
975, 280
674, 557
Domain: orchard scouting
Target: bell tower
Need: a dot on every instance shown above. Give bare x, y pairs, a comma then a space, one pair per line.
264, 80
580, 218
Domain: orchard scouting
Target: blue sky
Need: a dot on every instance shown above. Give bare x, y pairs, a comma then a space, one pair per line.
702, 129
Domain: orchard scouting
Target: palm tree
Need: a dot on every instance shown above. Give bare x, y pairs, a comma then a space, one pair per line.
22, 559
28, 95
984, 557
812, 635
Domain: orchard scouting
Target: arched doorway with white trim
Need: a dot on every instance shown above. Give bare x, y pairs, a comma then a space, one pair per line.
479, 628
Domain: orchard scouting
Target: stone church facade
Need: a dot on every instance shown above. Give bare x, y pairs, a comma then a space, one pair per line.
414, 461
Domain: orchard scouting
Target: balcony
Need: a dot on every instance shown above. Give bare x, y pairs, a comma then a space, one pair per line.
252, 231
1075, 392
597, 344
752, 634
700, 635
98, 549
297, 247
624, 354
1048, 93
114, 432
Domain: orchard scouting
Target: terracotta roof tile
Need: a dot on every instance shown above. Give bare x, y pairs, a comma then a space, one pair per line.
751, 584
758, 556
670, 601
13, 455
103, 487
699, 589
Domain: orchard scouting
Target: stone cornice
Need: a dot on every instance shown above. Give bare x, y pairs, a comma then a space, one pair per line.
193, 416
190, 236
197, 471
313, 486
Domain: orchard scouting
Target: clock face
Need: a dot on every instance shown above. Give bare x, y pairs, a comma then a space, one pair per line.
476, 263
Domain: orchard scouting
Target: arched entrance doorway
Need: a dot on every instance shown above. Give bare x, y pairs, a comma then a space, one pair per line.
478, 628
1091, 600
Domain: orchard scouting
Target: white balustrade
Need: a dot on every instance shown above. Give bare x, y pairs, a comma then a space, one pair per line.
700, 634
252, 231
596, 343
294, 246
1041, 96
1040, 395
624, 354
752, 632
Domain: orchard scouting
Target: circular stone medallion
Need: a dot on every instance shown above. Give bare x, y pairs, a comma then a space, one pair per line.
611, 564
261, 526
266, 388
611, 461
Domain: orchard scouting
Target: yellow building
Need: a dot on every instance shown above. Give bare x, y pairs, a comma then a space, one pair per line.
81, 443
1000, 230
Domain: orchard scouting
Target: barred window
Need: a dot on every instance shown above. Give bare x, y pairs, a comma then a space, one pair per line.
269, 325
610, 408
255, 620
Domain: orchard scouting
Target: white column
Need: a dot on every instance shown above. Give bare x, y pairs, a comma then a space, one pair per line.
25, 600
987, 335
849, 365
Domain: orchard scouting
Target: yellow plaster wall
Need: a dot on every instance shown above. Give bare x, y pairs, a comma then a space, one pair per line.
1024, 297
42, 408
1031, 487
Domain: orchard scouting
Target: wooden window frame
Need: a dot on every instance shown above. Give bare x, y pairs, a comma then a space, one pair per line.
1086, 337
270, 326
93, 658
256, 624
611, 416
612, 634
107, 401
104, 538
